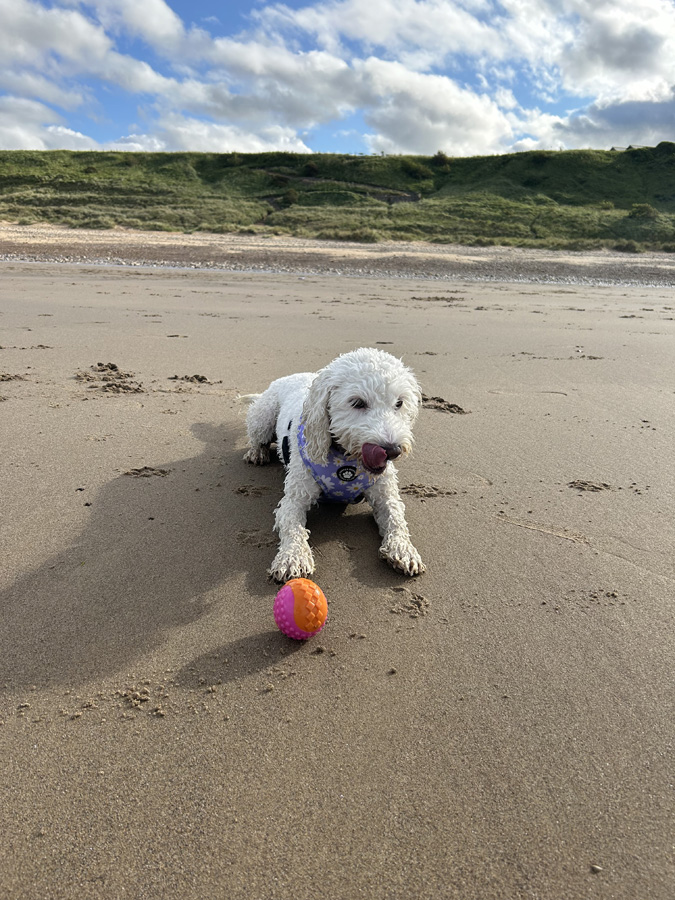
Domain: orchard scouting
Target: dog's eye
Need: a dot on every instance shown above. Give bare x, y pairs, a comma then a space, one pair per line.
399, 404
358, 403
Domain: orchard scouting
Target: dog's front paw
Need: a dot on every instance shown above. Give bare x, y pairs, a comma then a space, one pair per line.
289, 564
402, 556
257, 456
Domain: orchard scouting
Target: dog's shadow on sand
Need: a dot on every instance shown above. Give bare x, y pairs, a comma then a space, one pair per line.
154, 547
343, 539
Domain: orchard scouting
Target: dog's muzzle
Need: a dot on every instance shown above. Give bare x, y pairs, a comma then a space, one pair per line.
376, 456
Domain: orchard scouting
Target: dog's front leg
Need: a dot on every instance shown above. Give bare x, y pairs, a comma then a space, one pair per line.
389, 512
294, 557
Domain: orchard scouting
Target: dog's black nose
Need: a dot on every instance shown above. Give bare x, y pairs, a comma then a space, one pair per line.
393, 450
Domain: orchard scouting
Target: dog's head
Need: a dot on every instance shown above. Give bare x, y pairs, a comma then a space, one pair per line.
367, 402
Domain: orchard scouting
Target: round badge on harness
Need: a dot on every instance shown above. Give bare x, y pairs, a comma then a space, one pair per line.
346, 473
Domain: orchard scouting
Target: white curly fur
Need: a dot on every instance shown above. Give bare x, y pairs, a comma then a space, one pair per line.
388, 396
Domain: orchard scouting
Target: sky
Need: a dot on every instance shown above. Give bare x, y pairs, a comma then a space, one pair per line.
468, 77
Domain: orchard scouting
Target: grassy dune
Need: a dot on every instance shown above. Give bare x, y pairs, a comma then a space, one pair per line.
577, 199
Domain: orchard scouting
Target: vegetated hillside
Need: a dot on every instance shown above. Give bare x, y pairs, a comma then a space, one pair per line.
572, 199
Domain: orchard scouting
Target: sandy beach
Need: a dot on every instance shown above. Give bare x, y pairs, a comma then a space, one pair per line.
501, 727
279, 254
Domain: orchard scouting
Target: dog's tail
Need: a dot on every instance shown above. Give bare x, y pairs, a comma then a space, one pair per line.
248, 399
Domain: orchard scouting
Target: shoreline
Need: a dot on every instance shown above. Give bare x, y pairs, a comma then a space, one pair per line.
267, 254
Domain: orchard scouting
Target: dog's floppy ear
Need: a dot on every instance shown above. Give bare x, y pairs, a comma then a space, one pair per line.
315, 416
417, 395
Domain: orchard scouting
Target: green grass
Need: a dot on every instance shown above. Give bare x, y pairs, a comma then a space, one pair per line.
575, 199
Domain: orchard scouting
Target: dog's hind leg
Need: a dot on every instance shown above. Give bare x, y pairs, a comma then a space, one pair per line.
261, 422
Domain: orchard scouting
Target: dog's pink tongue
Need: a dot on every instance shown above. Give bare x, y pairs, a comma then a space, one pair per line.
374, 457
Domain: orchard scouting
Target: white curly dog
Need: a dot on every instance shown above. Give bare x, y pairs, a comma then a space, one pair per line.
337, 432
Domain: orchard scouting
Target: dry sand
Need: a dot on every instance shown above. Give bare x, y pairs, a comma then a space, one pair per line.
502, 727
265, 253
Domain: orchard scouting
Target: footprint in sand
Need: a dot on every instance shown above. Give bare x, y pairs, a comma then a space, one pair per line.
590, 485
424, 491
253, 537
147, 472
251, 490
441, 405
109, 378
409, 603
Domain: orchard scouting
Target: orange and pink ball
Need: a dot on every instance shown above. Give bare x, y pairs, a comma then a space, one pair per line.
300, 609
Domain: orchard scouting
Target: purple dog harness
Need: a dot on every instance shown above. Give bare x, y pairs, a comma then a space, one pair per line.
341, 478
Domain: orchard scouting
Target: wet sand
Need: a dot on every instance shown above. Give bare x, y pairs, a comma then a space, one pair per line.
501, 727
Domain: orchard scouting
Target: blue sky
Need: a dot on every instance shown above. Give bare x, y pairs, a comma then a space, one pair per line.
353, 76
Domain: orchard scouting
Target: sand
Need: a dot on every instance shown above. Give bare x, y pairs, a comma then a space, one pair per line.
278, 253
501, 727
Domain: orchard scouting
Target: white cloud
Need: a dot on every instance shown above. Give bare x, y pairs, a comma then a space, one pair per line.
152, 20
184, 133
616, 43
300, 89
134, 75
62, 138
21, 123
29, 84
28, 125
32, 35
505, 98
420, 113
603, 125
427, 30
